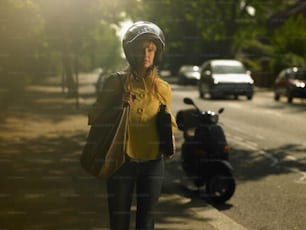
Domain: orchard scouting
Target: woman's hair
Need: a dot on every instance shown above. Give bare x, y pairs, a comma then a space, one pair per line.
151, 82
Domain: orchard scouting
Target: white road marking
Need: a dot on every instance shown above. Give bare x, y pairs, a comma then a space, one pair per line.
274, 160
302, 179
253, 146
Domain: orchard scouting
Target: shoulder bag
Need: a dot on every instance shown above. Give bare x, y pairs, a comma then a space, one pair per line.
105, 147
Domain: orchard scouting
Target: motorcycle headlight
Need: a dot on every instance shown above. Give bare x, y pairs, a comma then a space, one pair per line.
214, 118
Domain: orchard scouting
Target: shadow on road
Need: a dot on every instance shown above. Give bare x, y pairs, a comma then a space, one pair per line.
244, 160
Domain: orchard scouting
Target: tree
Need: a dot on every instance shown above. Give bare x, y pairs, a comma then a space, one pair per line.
289, 42
197, 30
37, 36
81, 31
20, 39
66, 25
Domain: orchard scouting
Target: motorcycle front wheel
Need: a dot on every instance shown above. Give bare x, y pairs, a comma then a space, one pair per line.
220, 187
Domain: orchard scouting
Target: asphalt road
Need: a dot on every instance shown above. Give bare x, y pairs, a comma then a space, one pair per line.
268, 152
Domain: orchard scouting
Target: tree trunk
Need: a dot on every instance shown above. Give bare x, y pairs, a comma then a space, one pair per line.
68, 73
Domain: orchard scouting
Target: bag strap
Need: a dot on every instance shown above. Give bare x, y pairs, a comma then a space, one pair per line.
119, 78
122, 77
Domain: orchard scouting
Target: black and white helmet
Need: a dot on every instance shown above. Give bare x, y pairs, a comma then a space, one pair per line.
146, 30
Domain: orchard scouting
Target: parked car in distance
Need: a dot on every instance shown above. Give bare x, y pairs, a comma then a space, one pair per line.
164, 73
224, 77
189, 74
291, 83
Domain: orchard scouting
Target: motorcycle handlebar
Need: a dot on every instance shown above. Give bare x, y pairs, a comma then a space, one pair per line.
189, 101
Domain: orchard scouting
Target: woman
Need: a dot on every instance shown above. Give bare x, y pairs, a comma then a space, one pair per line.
143, 171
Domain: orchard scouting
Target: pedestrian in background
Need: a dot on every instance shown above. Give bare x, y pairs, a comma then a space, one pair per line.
143, 172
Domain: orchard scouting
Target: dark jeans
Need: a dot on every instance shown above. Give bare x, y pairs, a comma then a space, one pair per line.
147, 179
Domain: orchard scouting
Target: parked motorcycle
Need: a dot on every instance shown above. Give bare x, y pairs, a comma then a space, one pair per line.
205, 152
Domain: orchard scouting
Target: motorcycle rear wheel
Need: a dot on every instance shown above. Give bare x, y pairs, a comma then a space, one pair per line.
220, 187
199, 182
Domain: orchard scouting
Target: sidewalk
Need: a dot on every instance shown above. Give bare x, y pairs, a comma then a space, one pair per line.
42, 183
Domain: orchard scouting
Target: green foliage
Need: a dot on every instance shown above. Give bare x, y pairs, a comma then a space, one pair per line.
289, 43
102, 48
20, 38
20, 29
40, 38
197, 30
43, 38
285, 60
252, 51
91, 33
291, 36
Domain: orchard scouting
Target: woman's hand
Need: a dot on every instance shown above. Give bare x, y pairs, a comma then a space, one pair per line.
128, 98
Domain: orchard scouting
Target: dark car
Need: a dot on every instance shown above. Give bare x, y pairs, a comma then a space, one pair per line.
189, 74
224, 77
291, 83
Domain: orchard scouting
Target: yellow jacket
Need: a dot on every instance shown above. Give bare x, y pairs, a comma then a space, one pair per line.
143, 141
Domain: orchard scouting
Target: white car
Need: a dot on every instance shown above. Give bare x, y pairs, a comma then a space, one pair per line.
223, 77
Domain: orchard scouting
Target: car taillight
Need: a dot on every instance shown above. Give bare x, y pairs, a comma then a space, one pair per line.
226, 149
